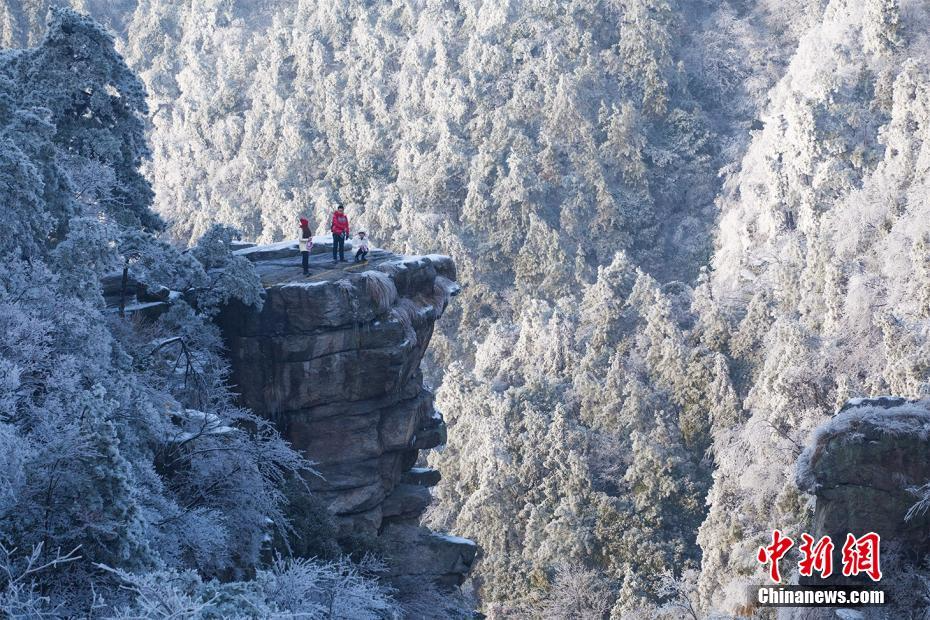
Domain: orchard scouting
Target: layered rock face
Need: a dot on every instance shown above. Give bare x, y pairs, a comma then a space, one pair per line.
864, 467
334, 360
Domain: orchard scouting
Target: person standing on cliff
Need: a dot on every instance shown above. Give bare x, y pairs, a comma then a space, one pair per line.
305, 243
340, 228
362, 254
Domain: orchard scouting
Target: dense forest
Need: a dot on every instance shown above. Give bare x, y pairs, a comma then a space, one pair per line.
686, 230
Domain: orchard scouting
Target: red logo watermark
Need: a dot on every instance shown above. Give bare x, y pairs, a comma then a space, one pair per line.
774, 552
859, 555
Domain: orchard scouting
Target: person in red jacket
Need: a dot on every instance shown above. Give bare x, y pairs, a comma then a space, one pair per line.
340, 230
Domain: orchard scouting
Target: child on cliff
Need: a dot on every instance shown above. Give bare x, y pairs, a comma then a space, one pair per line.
305, 243
362, 254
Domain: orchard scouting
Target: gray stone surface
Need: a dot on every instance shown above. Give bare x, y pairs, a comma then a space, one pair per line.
406, 502
418, 553
860, 466
334, 360
423, 476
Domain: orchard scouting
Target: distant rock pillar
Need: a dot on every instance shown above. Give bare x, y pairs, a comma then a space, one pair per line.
862, 467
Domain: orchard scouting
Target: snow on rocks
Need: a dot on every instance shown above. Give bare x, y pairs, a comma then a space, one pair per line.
282, 249
882, 415
199, 424
334, 361
455, 540
868, 468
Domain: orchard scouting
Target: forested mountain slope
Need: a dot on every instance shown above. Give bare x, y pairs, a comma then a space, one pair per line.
821, 262
686, 230
131, 484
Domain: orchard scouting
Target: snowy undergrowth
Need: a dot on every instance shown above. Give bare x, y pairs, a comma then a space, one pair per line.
131, 485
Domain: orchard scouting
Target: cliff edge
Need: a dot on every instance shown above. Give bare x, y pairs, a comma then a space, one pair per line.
868, 469
333, 358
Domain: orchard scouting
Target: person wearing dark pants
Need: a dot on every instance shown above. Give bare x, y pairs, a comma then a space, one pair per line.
305, 243
339, 247
362, 254
340, 229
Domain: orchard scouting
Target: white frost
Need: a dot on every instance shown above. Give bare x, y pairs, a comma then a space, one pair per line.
299, 284
281, 245
455, 539
908, 417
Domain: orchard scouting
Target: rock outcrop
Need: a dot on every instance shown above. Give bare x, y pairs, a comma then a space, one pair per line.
865, 467
334, 360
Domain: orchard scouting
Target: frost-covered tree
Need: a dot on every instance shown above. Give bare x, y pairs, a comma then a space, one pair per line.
583, 432
823, 285
123, 450
556, 150
96, 105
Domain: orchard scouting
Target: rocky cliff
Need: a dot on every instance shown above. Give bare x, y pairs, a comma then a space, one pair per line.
333, 359
865, 468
